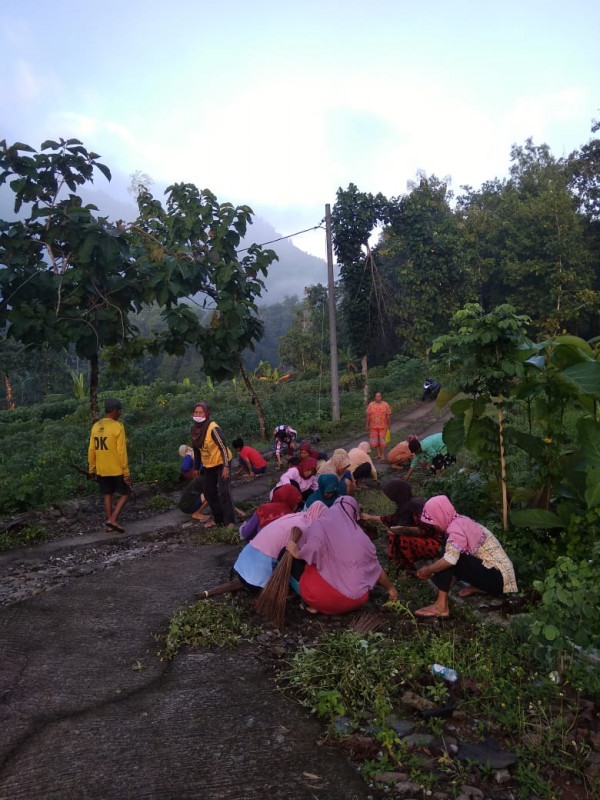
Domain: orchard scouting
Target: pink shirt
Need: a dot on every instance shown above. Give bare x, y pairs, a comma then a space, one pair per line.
271, 539
340, 550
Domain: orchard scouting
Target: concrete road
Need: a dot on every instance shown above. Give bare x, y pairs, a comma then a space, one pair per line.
79, 719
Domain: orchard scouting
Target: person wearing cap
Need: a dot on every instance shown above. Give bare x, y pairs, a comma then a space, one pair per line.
107, 461
186, 454
283, 436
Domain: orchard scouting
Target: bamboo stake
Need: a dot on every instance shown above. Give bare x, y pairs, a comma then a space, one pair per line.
502, 466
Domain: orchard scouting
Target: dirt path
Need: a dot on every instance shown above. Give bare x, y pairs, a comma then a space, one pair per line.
81, 546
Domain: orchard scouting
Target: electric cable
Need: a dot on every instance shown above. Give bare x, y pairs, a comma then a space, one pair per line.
289, 236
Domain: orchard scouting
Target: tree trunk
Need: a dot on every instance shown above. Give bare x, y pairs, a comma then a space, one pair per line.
10, 402
502, 466
255, 402
363, 364
94, 388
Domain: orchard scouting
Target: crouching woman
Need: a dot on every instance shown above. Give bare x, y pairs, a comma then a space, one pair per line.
336, 563
472, 554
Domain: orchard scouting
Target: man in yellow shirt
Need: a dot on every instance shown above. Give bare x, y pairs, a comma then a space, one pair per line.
107, 458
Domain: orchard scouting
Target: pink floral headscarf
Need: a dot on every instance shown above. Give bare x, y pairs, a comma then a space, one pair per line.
462, 532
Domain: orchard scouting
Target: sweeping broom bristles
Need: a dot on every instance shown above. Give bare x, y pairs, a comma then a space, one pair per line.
272, 600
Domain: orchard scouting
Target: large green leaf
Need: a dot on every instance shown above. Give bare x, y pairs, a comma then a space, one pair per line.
589, 439
536, 361
461, 406
575, 342
585, 376
532, 445
592, 487
535, 518
454, 434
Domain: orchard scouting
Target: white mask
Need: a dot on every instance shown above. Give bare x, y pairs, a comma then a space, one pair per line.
199, 419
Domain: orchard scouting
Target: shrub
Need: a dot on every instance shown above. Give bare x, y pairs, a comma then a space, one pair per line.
567, 616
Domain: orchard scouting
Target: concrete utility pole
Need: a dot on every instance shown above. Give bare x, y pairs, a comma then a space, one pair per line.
335, 389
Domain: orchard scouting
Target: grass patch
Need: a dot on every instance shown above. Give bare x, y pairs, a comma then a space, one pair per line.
206, 624
501, 693
220, 534
159, 502
29, 534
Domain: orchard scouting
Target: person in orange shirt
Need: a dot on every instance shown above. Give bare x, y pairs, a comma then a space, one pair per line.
379, 417
107, 460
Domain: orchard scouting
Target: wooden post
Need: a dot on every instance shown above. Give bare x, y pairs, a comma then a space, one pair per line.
335, 389
502, 466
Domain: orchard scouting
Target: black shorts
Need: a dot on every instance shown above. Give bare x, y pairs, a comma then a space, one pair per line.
111, 484
442, 461
363, 471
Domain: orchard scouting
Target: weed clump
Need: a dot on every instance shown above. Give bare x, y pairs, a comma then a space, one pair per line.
159, 502
206, 625
358, 668
29, 534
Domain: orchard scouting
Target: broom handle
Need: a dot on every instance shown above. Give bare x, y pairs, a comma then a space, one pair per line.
222, 588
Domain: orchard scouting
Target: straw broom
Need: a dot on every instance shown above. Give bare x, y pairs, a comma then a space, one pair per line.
231, 586
272, 600
366, 622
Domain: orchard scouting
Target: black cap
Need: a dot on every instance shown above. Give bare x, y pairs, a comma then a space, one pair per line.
112, 404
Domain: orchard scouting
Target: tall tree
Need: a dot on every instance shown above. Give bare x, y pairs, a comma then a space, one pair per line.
423, 246
65, 272
186, 252
306, 344
364, 299
547, 266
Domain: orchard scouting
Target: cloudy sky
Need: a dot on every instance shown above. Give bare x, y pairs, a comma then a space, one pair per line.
277, 104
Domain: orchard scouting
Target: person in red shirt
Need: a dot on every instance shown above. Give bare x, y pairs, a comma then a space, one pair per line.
251, 461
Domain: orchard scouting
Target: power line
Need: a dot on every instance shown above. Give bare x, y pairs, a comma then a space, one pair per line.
289, 236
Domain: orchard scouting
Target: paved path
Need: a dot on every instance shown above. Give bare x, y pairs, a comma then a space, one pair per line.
77, 720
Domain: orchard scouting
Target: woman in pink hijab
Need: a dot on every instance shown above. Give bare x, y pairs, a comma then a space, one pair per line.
339, 561
472, 554
258, 559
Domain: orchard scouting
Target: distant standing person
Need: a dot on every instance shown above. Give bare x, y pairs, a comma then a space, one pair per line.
283, 435
251, 461
379, 417
211, 451
107, 460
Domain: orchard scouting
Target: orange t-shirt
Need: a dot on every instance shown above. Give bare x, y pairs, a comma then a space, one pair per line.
378, 415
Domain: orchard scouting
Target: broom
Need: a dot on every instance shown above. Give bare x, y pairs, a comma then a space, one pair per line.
232, 586
366, 622
272, 600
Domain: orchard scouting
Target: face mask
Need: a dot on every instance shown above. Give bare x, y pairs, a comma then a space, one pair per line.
199, 419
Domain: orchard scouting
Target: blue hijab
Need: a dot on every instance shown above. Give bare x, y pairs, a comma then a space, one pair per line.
328, 484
